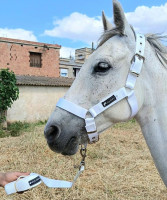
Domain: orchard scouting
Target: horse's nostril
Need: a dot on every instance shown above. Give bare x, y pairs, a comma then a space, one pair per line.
52, 133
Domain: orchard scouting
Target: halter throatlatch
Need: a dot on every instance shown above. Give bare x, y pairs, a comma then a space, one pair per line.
125, 92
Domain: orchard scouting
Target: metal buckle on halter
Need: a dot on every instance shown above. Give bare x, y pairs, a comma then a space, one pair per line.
139, 56
83, 151
135, 73
135, 70
93, 137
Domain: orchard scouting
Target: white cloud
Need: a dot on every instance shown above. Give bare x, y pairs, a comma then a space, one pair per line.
66, 52
77, 27
80, 27
17, 34
149, 20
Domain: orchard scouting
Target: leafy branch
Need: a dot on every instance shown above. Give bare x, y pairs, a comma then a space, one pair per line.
9, 92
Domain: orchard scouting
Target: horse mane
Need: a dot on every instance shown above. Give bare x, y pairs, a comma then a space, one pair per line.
109, 34
160, 49
153, 39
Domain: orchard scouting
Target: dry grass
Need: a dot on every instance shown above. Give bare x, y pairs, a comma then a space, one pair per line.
118, 167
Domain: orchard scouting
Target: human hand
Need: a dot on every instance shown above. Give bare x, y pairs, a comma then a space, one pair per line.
10, 176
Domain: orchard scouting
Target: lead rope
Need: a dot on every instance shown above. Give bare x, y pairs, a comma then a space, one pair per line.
24, 183
82, 163
83, 151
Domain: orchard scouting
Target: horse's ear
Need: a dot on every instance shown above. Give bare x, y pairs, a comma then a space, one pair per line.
106, 24
120, 19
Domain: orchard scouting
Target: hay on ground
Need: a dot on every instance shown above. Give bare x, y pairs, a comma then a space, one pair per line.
118, 167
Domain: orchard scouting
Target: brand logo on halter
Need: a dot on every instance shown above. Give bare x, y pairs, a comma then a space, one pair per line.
109, 101
34, 181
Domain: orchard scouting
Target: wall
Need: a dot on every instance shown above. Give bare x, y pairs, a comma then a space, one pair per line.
35, 103
81, 55
15, 55
65, 63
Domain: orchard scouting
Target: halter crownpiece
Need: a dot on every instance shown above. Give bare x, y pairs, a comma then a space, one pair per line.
113, 98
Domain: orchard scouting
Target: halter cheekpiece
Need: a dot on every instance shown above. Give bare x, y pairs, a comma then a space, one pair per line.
125, 92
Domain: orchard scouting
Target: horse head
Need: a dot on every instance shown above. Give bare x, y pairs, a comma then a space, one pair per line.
104, 72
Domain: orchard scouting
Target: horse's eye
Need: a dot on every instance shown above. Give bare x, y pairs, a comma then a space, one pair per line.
102, 67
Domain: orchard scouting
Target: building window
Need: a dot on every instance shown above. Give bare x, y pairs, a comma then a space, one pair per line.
76, 71
64, 72
81, 57
35, 59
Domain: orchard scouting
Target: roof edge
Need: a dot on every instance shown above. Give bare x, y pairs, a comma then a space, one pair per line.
43, 81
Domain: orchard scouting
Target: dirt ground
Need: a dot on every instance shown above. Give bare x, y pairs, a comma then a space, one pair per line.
118, 167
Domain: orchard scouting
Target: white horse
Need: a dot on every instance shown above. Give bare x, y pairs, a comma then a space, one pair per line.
101, 82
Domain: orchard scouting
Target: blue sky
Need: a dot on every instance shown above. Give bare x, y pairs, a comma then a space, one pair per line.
75, 23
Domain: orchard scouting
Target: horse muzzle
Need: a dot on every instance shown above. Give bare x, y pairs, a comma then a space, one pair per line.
64, 132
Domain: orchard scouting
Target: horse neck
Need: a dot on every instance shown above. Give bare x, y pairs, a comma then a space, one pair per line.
152, 117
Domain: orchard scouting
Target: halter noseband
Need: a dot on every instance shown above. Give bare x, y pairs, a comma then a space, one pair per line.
113, 98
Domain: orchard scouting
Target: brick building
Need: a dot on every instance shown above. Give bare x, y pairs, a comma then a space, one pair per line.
70, 67
29, 58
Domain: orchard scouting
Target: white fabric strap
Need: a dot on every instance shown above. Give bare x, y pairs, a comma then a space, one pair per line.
140, 44
90, 125
72, 108
136, 66
133, 103
137, 63
107, 102
34, 179
134, 73
22, 184
91, 130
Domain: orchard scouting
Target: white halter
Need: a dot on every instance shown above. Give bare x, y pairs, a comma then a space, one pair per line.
113, 98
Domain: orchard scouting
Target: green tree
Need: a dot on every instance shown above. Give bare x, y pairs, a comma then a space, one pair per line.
9, 92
